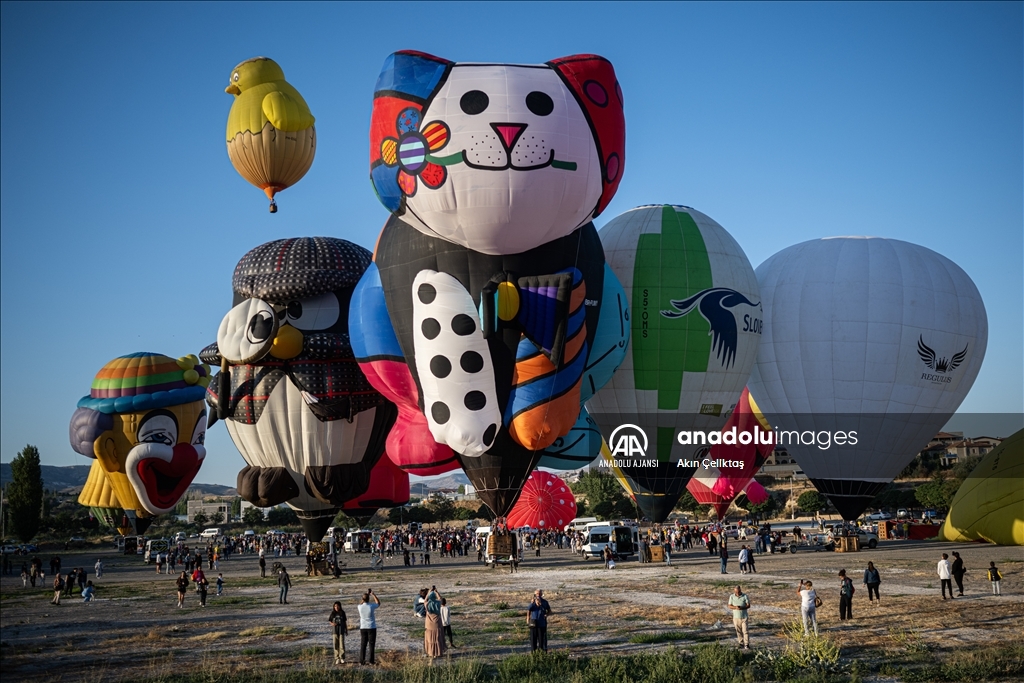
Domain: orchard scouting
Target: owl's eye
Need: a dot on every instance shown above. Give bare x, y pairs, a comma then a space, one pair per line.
261, 327
235, 77
315, 313
539, 103
474, 102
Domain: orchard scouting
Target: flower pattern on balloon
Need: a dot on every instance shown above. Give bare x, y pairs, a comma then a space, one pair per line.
411, 151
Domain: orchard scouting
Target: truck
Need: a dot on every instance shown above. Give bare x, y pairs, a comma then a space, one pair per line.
502, 545
624, 540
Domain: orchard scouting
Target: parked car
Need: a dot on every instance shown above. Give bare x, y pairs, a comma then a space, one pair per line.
27, 548
865, 538
879, 517
9, 550
813, 542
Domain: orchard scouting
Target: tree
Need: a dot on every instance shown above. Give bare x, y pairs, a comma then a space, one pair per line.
236, 507
200, 519
216, 518
25, 494
282, 516
598, 488
462, 489
484, 512
688, 503
442, 508
252, 516
763, 510
811, 501
938, 493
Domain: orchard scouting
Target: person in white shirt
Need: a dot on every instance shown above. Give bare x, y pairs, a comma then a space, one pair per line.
945, 576
744, 558
446, 622
808, 605
368, 625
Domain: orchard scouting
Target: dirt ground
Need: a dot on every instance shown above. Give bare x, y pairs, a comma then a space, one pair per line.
133, 628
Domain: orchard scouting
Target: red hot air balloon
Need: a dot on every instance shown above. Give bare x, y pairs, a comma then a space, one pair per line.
389, 487
756, 493
545, 503
718, 486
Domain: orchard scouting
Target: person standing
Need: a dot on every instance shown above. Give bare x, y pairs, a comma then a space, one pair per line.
220, 584
58, 588
945, 576
446, 622
743, 558
537, 620
182, 584
723, 554
871, 581
204, 587
739, 603
995, 577
433, 634
958, 571
340, 622
845, 596
263, 565
809, 602
368, 625
284, 582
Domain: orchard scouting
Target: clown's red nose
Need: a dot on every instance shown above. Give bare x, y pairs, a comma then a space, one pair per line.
185, 457
508, 132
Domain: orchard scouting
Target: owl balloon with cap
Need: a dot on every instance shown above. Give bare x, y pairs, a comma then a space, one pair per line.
144, 420
489, 315
296, 404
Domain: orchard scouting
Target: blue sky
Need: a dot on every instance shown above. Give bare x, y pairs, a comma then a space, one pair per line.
122, 217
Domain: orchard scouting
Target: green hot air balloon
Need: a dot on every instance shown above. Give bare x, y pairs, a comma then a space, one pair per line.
696, 325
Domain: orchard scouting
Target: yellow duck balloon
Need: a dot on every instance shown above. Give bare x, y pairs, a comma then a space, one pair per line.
271, 137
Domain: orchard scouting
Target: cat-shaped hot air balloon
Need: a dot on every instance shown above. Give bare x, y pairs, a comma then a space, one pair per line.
480, 316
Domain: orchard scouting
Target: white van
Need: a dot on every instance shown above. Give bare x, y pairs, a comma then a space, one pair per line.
360, 541
155, 546
622, 539
212, 532
579, 524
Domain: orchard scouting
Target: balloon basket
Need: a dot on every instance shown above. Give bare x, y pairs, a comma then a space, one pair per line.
273, 207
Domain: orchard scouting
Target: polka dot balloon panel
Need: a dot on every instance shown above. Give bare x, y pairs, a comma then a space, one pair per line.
303, 266
545, 503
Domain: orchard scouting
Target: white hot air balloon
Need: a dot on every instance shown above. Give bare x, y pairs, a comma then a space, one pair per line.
875, 336
696, 323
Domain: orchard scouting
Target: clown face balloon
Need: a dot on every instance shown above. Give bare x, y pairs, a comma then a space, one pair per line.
480, 315
296, 404
145, 422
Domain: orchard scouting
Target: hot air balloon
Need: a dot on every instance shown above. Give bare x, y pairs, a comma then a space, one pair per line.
696, 324
144, 421
877, 338
98, 495
718, 486
756, 493
489, 271
389, 487
545, 503
271, 137
295, 403
989, 505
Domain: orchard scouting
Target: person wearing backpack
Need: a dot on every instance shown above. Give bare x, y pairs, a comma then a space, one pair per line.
845, 596
995, 577
58, 588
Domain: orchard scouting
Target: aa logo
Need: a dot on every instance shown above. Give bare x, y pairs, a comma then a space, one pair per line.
628, 441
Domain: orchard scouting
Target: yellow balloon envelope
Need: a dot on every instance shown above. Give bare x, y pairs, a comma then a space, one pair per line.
270, 134
990, 503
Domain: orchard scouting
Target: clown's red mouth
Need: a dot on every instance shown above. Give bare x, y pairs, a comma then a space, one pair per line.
165, 481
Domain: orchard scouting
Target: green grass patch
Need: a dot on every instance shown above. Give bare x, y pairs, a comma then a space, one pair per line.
510, 613
501, 606
662, 637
